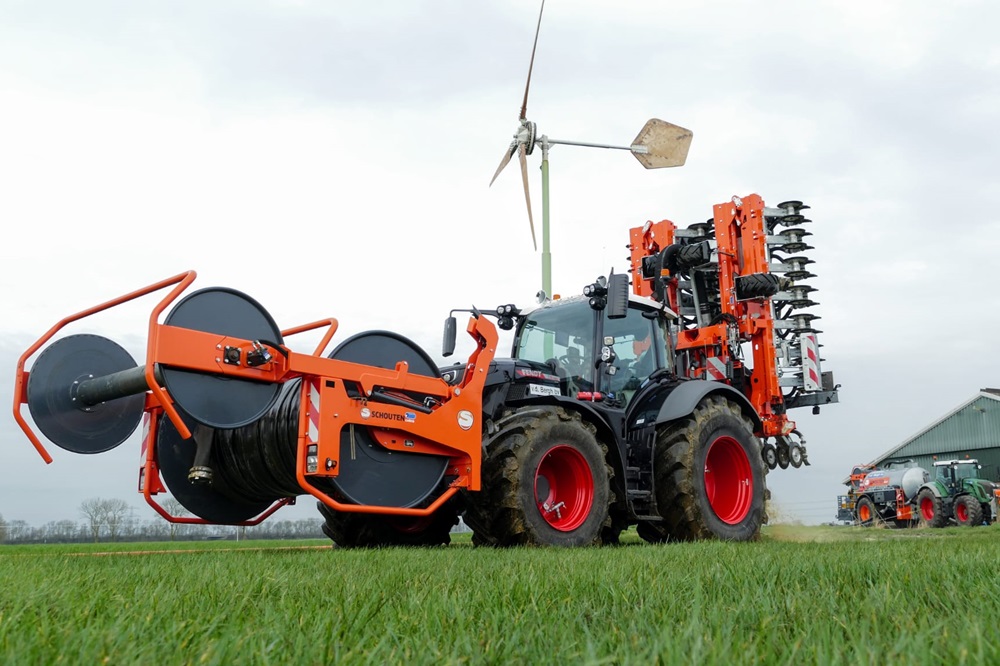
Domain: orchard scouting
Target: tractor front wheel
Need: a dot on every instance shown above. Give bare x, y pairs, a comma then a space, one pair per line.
968, 511
709, 476
366, 530
545, 482
865, 513
930, 509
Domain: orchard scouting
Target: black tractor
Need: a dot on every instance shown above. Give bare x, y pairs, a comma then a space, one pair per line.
589, 430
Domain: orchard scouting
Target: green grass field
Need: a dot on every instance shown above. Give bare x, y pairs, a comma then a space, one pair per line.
800, 595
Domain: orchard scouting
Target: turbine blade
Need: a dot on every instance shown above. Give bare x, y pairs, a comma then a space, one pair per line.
531, 65
505, 160
522, 156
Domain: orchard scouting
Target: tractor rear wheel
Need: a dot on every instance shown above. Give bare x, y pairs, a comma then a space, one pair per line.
709, 476
366, 530
546, 482
968, 511
865, 512
931, 509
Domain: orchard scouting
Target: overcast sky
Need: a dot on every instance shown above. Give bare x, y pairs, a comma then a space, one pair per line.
332, 159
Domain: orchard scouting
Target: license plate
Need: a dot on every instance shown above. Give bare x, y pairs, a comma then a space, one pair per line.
539, 389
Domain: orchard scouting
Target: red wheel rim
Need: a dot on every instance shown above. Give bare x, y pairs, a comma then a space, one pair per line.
864, 513
961, 512
927, 508
564, 488
728, 480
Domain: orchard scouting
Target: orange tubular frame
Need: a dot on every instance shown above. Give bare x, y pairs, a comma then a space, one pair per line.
452, 427
21, 380
449, 426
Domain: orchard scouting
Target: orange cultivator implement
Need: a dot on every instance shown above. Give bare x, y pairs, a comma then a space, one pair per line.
737, 280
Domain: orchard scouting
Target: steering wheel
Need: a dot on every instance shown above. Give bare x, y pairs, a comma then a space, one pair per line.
573, 364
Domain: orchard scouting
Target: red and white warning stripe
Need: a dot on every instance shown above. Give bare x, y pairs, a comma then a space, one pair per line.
810, 363
716, 368
142, 451
312, 412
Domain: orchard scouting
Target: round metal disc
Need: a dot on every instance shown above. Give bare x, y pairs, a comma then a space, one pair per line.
217, 401
705, 228
383, 349
369, 473
801, 303
796, 246
373, 475
796, 231
52, 390
174, 457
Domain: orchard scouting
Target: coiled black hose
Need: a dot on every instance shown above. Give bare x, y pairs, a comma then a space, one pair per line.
257, 462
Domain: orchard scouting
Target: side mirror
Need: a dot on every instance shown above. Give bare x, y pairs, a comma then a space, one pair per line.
450, 331
617, 296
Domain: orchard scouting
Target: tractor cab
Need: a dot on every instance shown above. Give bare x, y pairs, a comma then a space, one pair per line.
600, 353
954, 473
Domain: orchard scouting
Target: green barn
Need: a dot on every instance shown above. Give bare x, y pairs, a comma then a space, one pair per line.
970, 431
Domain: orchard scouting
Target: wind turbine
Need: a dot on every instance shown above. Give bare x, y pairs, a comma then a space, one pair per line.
659, 144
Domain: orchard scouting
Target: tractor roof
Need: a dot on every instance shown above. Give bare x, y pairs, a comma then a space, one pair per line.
632, 298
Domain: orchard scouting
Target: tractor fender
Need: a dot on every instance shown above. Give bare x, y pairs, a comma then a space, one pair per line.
605, 431
589, 414
933, 488
686, 396
583, 408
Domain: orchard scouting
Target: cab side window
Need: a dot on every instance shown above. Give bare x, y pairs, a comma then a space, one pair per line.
634, 341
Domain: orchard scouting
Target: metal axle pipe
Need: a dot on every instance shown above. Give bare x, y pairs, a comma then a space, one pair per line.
120, 384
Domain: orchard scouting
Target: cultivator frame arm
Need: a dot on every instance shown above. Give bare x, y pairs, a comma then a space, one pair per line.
335, 394
732, 254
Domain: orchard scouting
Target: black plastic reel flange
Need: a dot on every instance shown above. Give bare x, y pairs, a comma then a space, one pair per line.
370, 474
215, 400
55, 408
174, 457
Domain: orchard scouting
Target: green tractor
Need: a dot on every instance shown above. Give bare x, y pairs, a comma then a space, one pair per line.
957, 494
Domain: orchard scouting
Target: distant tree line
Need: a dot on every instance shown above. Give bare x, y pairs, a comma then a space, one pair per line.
108, 520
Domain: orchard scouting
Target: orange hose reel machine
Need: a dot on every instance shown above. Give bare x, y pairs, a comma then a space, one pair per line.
251, 424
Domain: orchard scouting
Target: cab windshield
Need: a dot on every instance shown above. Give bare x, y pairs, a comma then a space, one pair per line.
562, 336
968, 471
